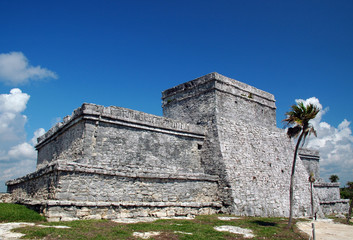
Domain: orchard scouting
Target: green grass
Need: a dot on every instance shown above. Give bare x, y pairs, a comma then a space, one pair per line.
202, 227
15, 213
340, 220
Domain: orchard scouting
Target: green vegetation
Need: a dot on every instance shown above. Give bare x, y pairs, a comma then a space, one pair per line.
350, 189
16, 213
334, 178
339, 220
202, 227
347, 193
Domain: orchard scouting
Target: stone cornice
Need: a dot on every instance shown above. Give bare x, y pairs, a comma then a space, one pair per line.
125, 117
64, 166
216, 81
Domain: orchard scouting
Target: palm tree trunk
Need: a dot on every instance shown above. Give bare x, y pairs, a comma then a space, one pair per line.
312, 200
291, 186
350, 211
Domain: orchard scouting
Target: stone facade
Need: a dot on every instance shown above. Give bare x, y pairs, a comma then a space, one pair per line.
328, 193
217, 149
122, 162
311, 160
244, 147
5, 198
330, 200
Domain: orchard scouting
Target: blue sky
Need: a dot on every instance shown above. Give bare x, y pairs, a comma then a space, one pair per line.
125, 53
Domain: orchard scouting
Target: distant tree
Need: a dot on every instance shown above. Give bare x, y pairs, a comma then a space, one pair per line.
298, 118
334, 178
350, 188
345, 193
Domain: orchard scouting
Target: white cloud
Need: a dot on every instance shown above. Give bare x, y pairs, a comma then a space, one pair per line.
17, 156
15, 69
11, 171
335, 145
15, 102
22, 151
12, 122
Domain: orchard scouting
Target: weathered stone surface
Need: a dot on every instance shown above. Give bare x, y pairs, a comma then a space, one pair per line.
242, 146
196, 101
217, 149
6, 198
330, 200
259, 171
328, 193
311, 160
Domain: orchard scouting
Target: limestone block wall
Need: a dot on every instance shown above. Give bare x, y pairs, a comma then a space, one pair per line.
330, 200
340, 206
259, 170
66, 190
114, 145
251, 105
113, 137
327, 191
70, 181
78, 182
243, 146
311, 160
80, 186
39, 185
215, 94
120, 161
216, 149
192, 104
65, 143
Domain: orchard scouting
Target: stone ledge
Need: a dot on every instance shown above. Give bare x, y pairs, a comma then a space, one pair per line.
309, 153
326, 185
119, 115
224, 84
345, 201
121, 204
198, 135
64, 166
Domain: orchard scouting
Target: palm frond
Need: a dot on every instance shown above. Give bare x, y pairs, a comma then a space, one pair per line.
299, 116
310, 130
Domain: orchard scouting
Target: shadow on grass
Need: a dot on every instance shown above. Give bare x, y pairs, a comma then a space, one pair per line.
263, 223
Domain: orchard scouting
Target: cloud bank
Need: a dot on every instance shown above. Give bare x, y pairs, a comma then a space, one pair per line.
15, 69
17, 156
334, 143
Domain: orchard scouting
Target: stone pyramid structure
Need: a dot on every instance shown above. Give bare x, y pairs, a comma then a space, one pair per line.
216, 149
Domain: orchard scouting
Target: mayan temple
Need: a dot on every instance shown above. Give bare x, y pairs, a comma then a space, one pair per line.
216, 150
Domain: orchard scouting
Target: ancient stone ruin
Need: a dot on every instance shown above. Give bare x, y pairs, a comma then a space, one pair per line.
328, 193
217, 149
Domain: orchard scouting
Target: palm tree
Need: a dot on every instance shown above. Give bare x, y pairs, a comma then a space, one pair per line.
299, 118
334, 178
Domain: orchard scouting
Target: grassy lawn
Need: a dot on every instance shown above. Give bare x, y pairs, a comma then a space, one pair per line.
202, 227
18, 213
